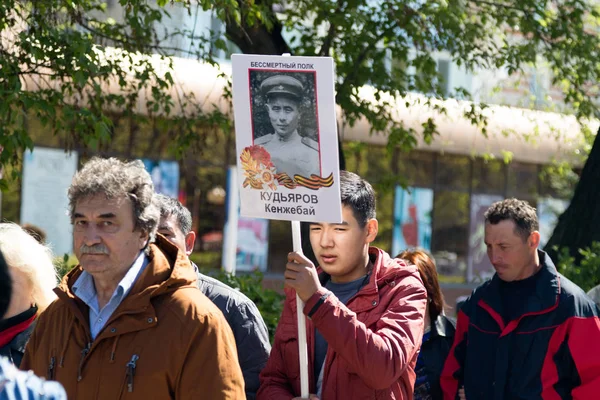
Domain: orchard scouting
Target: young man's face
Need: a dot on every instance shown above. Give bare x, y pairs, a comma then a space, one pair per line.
105, 238
513, 257
169, 227
284, 114
342, 249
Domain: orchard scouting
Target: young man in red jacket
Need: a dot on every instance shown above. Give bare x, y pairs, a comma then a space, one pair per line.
365, 312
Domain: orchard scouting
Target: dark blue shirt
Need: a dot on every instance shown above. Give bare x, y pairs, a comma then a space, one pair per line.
344, 292
422, 384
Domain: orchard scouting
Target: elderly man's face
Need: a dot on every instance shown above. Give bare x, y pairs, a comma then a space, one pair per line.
284, 114
104, 235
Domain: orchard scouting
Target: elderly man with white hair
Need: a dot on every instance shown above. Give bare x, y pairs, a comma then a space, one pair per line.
34, 277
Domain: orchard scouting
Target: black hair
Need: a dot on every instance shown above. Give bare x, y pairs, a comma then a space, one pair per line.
519, 211
172, 207
359, 195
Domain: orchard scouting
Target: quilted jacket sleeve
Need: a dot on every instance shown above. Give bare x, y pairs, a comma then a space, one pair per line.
379, 354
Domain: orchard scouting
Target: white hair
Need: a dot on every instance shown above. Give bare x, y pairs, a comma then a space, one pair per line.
24, 253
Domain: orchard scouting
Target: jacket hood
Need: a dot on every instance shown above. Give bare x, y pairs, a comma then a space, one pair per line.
385, 270
168, 270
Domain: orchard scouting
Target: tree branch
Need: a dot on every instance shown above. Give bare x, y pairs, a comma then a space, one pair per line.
257, 39
324, 51
502, 5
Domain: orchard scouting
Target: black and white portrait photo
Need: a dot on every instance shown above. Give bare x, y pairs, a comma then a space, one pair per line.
284, 120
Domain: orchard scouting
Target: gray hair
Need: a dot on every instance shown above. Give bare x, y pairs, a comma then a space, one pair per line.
24, 253
170, 206
114, 179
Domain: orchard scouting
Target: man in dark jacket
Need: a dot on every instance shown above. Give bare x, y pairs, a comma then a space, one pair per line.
365, 312
528, 333
248, 326
15, 384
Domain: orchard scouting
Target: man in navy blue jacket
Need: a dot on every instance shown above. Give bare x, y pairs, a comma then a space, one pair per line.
15, 384
529, 332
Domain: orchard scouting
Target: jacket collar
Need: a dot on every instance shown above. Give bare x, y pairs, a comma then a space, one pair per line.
442, 326
546, 292
168, 270
386, 270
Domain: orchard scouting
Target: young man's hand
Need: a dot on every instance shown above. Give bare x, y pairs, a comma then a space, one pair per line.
461, 394
301, 275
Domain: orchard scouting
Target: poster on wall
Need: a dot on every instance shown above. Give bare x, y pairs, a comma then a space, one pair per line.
286, 137
165, 176
47, 175
412, 219
251, 236
548, 211
479, 267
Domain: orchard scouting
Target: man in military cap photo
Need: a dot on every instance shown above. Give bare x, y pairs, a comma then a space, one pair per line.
290, 152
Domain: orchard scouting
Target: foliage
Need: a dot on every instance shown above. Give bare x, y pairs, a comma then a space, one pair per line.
363, 35
64, 264
207, 260
58, 56
268, 301
586, 273
560, 176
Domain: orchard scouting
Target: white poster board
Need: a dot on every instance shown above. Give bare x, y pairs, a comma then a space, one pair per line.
47, 175
286, 137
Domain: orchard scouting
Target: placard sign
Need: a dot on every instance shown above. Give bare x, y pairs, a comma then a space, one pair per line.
286, 136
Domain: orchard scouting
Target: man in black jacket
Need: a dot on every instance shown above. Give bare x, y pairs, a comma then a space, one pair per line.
529, 332
248, 326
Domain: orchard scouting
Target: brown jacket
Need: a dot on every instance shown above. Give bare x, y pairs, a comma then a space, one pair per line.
166, 340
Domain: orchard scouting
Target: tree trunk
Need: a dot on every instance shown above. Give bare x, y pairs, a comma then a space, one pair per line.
257, 39
579, 225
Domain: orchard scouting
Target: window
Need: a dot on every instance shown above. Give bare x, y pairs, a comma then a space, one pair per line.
522, 180
453, 172
489, 176
449, 244
443, 67
417, 167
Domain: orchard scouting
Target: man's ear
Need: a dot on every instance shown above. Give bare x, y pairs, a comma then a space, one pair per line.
534, 239
190, 240
144, 239
372, 228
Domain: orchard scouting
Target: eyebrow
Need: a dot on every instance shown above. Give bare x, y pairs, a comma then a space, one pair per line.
165, 228
103, 216
343, 223
107, 215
